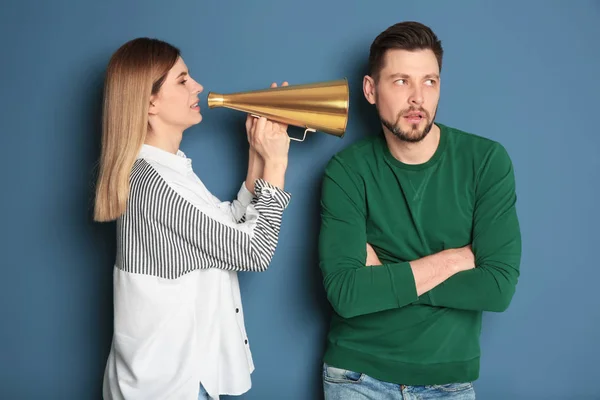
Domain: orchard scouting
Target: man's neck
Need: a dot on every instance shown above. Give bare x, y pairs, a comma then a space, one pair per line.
413, 153
164, 139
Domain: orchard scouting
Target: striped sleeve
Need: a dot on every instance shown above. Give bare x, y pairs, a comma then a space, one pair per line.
163, 234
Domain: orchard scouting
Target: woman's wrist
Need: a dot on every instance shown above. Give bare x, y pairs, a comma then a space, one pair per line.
255, 169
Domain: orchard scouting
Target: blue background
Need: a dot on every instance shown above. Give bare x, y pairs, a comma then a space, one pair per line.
523, 73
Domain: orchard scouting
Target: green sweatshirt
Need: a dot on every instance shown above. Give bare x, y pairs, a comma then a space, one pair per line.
465, 194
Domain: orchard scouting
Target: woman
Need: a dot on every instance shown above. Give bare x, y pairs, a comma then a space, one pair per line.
178, 318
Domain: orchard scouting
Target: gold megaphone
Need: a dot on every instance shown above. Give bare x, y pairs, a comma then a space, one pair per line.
321, 106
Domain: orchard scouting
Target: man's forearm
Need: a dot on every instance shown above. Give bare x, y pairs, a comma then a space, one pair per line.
432, 270
354, 289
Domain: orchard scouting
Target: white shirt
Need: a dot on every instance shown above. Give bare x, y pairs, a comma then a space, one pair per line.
178, 315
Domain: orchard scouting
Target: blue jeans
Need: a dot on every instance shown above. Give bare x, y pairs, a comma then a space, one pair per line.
342, 384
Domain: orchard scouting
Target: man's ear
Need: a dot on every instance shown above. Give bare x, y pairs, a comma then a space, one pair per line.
152, 105
369, 89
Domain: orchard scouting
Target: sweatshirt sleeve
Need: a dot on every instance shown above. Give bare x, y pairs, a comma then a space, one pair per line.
352, 288
496, 244
165, 234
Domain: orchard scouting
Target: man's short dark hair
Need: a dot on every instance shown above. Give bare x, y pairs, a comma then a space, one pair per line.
408, 35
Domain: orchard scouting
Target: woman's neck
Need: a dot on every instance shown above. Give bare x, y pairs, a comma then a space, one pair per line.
164, 139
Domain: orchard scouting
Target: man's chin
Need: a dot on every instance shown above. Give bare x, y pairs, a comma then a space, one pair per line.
410, 138
410, 135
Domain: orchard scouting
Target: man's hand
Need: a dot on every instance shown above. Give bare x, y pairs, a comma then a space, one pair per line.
372, 258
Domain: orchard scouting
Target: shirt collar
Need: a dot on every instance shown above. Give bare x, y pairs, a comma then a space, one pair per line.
177, 161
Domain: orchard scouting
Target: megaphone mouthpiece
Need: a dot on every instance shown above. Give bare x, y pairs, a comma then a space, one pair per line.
215, 100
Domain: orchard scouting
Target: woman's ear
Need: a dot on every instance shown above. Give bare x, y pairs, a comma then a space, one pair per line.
152, 105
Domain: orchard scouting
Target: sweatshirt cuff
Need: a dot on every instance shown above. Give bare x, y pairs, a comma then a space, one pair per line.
425, 299
403, 282
263, 188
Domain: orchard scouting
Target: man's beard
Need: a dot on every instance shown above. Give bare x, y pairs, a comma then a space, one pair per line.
414, 135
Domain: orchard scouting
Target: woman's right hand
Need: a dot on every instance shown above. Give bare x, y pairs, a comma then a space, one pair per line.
269, 138
271, 141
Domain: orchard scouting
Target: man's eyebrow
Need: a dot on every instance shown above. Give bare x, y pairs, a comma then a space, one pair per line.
399, 75
406, 76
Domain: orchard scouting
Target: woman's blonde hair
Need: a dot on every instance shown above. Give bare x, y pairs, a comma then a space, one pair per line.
136, 71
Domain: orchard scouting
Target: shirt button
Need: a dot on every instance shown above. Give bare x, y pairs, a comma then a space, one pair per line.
245, 341
237, 310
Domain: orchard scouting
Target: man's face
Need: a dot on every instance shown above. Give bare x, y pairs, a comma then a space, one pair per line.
406, 93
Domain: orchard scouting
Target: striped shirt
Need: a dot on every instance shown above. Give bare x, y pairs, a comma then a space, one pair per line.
178, 312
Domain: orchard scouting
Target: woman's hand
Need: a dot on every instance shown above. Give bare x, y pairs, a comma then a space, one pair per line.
256, 163
271, 142
251, 121
268, 138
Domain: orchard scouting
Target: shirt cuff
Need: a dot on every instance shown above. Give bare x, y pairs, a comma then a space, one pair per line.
264, 188
244, 196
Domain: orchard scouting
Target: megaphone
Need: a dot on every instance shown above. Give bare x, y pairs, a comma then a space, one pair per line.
321, 106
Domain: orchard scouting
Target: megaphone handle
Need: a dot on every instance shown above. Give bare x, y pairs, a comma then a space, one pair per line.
291, 138
304, 137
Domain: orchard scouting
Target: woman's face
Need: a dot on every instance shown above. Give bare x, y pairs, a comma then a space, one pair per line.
176, 103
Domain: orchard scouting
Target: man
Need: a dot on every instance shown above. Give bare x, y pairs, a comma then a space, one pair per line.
419, 236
